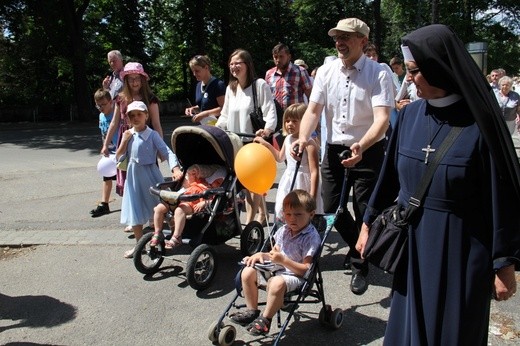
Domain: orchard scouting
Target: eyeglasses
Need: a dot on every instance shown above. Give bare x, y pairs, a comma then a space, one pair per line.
100, 106
134, 79
413, 71
344, 37
235, 64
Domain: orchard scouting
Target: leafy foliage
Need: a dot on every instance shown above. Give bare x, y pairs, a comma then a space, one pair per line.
53, 53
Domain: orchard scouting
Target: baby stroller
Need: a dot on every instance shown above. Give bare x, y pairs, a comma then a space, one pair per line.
310, 292
219, 222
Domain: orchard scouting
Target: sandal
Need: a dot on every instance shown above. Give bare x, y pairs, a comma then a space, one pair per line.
260, 326
155, 240
244, 317
128, 229
173, 242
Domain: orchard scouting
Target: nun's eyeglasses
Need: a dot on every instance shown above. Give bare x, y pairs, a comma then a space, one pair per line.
413, 71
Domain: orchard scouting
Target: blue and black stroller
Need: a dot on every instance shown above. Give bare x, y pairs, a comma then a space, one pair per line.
310, 292
203, 145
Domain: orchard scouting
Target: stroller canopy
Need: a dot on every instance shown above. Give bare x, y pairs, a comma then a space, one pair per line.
205, 145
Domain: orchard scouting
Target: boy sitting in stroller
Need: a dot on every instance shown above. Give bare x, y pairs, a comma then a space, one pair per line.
295, 245
198, 178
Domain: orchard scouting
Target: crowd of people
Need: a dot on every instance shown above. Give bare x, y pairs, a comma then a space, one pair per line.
463, 245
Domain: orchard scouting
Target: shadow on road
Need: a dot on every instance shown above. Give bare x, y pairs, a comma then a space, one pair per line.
71, 136
34, 311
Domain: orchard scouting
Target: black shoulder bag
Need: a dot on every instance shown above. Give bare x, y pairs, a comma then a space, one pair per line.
387, 242
256, 116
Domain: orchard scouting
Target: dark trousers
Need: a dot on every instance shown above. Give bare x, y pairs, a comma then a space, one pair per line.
361, 179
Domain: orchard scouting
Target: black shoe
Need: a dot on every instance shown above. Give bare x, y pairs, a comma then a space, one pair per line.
358, 284
101, 210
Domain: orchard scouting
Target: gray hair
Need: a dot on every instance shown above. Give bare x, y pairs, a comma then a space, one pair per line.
116, 53
505, 79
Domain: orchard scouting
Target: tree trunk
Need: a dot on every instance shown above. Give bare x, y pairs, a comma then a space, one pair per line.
199, 27
435, 11
82, 93
378, 26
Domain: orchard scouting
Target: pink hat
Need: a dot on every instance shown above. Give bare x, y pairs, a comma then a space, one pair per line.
133, 67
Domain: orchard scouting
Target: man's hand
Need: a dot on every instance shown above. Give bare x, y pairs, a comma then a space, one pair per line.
297, 149
106, 82
355, 157
505, 283
263, 133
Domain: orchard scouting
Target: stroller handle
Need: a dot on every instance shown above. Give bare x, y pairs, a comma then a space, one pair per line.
170, 195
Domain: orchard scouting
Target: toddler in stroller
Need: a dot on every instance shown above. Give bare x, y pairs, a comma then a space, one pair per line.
295, 244
291, 279
198, 178
212, 150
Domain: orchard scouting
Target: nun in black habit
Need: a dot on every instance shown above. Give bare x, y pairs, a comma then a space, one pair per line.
465, 240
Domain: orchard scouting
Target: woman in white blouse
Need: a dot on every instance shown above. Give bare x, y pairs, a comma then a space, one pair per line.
238, 104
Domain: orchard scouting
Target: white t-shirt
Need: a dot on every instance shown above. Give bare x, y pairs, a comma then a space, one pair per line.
349, 95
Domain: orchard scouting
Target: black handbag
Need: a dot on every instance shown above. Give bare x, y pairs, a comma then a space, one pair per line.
256, 116
387, 243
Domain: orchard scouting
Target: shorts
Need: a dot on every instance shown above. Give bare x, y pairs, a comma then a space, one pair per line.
109, 178
291, 281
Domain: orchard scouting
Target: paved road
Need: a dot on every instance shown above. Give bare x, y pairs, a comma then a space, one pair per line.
69, 284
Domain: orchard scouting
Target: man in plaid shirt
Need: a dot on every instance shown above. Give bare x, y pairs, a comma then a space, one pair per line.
288, 82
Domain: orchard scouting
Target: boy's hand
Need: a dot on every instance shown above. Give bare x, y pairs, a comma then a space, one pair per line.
256, 258
276, 256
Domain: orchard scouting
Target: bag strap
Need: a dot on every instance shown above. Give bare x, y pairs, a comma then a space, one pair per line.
255, 102
416, 199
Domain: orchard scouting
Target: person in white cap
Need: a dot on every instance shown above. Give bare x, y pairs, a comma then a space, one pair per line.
357, 95
141, 146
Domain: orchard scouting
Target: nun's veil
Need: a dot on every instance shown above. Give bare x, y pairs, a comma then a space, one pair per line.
446, 64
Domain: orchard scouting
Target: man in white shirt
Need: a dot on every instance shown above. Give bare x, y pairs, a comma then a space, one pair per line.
356, 94
113, 81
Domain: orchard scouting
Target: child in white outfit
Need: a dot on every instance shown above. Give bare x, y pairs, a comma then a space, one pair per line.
308, 175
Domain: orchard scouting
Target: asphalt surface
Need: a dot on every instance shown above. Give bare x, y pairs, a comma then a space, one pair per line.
64, 280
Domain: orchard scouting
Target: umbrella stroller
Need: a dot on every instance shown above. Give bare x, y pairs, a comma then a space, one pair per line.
311, 291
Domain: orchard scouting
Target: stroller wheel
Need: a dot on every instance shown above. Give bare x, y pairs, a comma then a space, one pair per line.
227, 336
329, 318
336, 318
148, 259
212, 331
201, 267
252, 238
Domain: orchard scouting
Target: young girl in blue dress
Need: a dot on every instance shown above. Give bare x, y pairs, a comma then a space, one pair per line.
142, 145
308, 176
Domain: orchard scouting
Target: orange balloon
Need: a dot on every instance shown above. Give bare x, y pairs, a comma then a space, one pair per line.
255, 167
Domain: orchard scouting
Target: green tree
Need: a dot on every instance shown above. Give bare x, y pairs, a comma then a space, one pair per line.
53, 54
